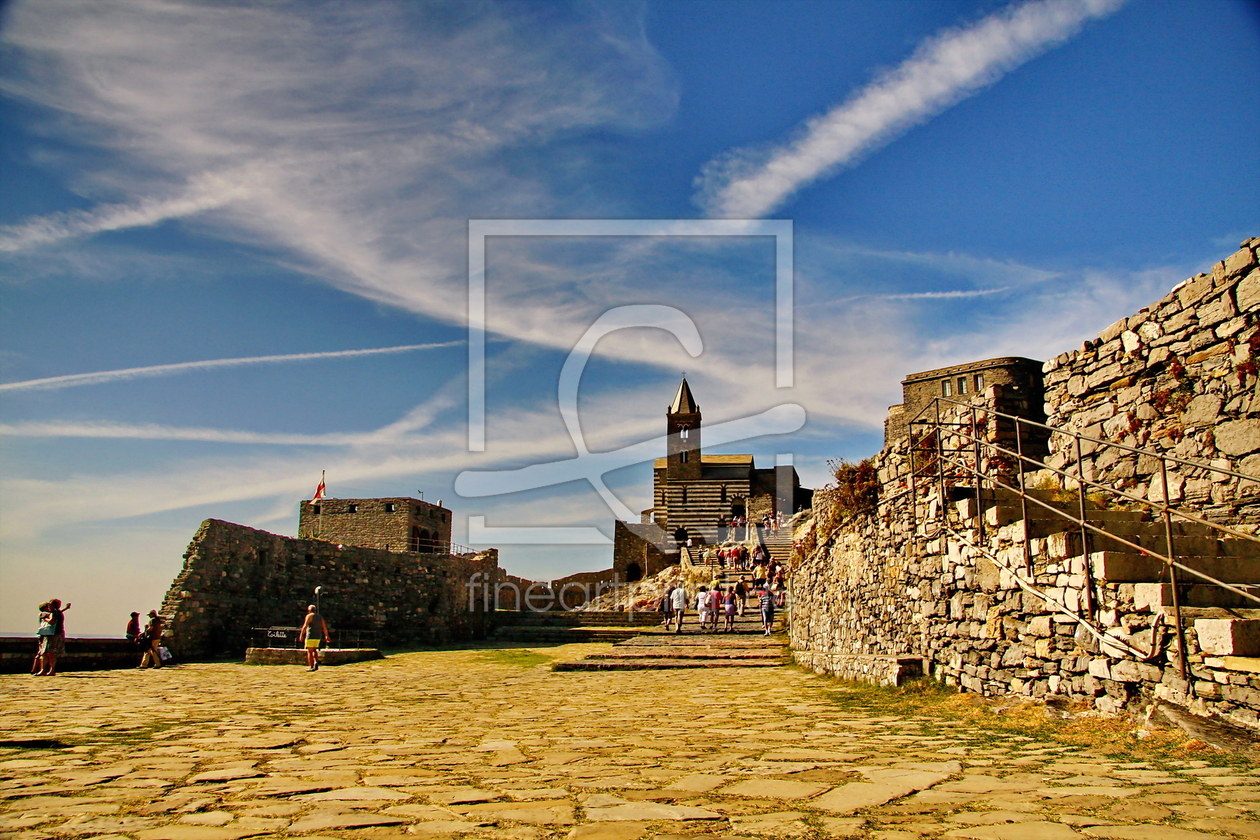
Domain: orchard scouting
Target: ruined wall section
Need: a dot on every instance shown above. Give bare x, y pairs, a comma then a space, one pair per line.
1180, 377
236, 578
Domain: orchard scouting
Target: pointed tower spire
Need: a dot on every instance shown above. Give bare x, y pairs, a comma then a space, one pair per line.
683, 402
682, 424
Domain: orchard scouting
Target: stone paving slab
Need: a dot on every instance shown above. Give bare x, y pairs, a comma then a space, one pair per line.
466, 744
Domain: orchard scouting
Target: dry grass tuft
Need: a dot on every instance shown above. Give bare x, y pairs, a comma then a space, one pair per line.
1003, 717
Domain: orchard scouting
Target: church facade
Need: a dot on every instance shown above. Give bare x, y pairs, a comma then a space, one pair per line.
696, 496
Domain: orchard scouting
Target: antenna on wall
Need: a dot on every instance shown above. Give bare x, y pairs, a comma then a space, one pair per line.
421, 492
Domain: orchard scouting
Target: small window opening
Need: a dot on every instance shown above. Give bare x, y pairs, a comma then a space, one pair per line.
979, 381
315, 509
962, 385
682, 456
352, 508
947, 388
390, 507
723, 494
684, 495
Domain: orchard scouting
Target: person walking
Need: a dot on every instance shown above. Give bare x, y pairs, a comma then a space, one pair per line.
766, 602
152, 637
728, 609
678, 603
667, 605
702, 607
52, 638
313, 630
715, 606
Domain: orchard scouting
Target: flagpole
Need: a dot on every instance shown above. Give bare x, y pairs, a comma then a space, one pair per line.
323, 486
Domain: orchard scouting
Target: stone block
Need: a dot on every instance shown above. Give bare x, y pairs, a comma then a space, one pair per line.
1238, 437
1194, 289
1112, 331
1239, 261
1100, 669
1203, 410
1228, 636
1149, 331
1126, 670
1214, 311
1247, 292
1040, 626
1130, 341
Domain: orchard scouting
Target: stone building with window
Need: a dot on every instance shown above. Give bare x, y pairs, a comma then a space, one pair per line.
1020, 378
401, 524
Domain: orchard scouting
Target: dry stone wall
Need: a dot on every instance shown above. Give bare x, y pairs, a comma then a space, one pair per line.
919, 586
236, 578
893, 594
1181, 378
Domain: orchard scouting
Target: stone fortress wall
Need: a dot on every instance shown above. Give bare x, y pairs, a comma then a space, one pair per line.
887, 595
237, 578
1179, 377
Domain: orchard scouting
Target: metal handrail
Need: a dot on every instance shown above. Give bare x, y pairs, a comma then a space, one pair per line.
1167, 512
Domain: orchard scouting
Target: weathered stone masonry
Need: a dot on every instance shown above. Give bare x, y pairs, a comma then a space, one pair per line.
236, 578
881, 596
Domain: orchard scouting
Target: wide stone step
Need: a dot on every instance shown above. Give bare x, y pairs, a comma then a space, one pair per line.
575, 618
1228, 636
564, 635
1157, 597
663, 664
742, 654
1118, 567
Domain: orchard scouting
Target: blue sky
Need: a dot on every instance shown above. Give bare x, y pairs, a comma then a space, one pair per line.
209, 207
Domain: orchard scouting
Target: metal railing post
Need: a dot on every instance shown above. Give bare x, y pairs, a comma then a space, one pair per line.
975, 440
1023, 497
914, 494
1080, 487
1172, 570
940, 463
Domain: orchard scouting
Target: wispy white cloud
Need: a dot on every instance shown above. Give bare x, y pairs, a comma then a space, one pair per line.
951, 66
104, 376
208, 193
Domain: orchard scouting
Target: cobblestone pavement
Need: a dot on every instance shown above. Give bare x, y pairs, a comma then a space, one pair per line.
483, 744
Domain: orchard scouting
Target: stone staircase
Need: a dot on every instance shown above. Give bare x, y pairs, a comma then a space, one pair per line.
556, 627
1224, 622
658, 648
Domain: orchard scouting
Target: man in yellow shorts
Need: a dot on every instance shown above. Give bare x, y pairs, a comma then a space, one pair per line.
313, 629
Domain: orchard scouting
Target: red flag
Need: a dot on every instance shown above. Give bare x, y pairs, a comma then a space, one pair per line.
319, 491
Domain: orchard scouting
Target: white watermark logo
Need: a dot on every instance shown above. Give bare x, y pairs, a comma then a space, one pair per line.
593, 466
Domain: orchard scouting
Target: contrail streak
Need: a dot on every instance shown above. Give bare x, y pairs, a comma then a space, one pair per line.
76, 379
944, 70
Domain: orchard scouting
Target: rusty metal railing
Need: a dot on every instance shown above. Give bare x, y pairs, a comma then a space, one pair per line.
931, 460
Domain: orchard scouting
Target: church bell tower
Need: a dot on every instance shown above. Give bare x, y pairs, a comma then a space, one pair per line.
682, 424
